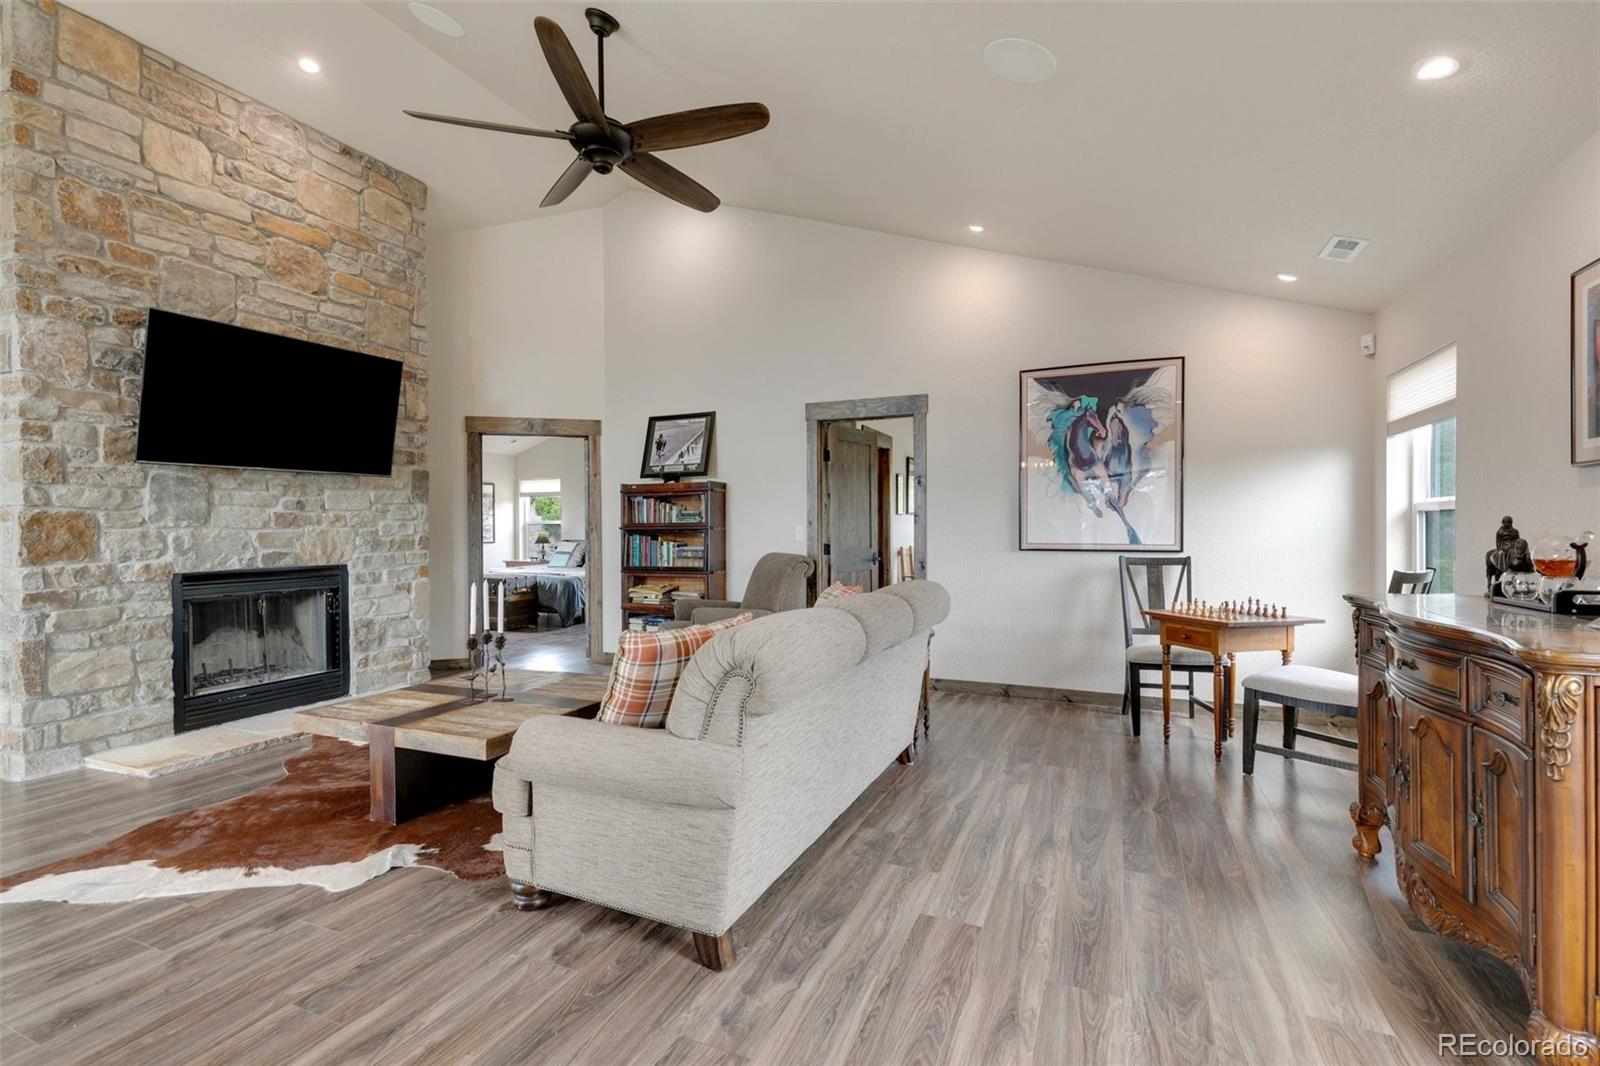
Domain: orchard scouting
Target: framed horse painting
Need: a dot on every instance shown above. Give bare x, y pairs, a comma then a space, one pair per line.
1102, 456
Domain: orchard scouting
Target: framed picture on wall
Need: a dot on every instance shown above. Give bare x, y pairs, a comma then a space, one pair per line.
488, 512
899, 494
911, 485
1586, 365
678, 446
1102, 457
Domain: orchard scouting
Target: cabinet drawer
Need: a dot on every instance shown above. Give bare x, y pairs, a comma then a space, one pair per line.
1373, 642
1500, 697
1425, 671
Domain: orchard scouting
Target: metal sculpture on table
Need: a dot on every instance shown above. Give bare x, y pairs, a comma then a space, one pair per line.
480, 665
1510, 555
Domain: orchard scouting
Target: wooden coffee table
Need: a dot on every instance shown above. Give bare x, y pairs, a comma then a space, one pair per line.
432, 745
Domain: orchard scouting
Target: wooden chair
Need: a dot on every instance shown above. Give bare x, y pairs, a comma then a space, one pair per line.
905, 564
1155, 581
1411, 582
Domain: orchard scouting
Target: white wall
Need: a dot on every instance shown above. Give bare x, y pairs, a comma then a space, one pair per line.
515, 328
753, 315
902, 527
1503, 300
560, 458
501, 472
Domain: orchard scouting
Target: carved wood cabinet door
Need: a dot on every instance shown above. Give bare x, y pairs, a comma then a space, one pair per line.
1503, 821
1375, 751
1436, 781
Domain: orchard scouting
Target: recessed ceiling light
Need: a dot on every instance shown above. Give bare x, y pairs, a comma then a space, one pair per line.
975, 228
1288, 277
1018, 60
436, 20
1436, 68
309, 65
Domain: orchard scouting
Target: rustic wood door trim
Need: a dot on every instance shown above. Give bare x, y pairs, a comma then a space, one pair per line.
588, 429
818, 415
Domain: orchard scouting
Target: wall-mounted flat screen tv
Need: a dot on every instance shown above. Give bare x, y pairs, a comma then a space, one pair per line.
221, 395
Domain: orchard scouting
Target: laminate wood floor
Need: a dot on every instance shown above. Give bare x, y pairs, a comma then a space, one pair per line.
1039, 888
550, 647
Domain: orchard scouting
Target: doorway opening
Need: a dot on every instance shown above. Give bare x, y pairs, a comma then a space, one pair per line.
866, 490
533, 518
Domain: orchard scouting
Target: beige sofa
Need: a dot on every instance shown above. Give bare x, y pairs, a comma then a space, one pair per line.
776, 727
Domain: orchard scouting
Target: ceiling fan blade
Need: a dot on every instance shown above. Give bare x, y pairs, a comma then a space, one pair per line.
569, 73
498, 127
700, 126
569, 180
670, 182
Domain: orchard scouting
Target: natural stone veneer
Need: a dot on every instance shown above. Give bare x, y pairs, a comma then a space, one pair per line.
130, 182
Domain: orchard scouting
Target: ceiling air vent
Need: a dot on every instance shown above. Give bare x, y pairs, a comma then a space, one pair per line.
1342, 249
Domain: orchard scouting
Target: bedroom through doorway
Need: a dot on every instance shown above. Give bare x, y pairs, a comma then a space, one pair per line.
534, 518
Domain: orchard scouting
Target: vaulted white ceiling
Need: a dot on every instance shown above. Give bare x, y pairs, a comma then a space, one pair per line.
1216, 144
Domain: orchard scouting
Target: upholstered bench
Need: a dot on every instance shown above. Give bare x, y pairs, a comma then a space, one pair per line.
1295, 688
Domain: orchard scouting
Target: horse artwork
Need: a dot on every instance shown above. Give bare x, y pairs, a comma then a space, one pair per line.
1102, 456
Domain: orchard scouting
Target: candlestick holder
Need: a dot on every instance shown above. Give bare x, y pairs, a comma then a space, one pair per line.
481, 665
475, 664
497, 667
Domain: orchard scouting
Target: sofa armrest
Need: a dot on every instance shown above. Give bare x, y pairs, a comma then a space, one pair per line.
683, 610
651, 765
704, 616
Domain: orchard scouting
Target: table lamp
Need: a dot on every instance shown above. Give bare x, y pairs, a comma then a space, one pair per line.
543, 543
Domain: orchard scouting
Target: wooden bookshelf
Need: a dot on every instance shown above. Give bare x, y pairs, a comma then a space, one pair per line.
660, 546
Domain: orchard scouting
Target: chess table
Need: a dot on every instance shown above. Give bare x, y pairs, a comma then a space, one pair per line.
1224, 633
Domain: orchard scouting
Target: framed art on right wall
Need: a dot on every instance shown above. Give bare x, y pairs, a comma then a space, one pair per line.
1586, 365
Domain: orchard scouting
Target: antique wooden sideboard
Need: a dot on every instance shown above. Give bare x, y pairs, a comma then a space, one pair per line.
1479, 750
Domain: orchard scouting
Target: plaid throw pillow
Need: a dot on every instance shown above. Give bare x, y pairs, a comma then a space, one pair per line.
836, 591
646, 671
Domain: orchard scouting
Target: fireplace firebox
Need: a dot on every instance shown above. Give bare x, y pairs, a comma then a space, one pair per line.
245, 642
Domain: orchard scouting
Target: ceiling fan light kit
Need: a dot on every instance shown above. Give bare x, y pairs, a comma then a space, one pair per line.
604, 144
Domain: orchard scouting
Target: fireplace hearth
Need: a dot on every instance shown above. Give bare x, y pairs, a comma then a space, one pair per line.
246, 642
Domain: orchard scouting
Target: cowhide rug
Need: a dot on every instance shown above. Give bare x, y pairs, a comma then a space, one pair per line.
310, 828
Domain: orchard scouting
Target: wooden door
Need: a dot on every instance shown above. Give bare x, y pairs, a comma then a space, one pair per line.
1502, 817
1433, 808
851, 550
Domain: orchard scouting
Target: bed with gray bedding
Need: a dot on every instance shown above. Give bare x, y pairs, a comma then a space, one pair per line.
558, 590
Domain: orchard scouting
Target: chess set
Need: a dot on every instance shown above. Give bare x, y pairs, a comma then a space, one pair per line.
1229, 610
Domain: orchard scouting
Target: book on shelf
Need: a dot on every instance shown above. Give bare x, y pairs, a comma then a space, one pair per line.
649, 511
651, 592
645, 550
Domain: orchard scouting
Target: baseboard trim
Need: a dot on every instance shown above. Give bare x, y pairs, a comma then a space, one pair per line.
447, 666
1028, 692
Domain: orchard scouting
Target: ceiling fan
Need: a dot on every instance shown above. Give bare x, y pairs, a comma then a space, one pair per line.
603, 143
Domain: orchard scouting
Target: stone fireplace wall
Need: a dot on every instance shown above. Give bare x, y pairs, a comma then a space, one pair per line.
132, 181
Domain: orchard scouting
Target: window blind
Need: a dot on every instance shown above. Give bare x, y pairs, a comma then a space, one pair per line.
1424, 392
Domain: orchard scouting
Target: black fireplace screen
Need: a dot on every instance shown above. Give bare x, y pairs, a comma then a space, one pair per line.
250, 640
247, 642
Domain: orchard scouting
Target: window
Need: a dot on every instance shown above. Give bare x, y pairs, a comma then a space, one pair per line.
1433, 502
1422, 467
538, 511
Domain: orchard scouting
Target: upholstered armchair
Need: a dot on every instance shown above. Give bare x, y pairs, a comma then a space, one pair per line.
778, 583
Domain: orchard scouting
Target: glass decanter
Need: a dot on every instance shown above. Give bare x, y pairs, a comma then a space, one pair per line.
1561, 562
